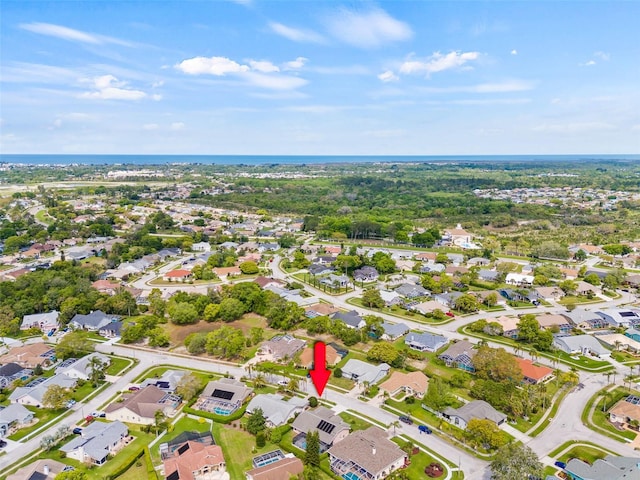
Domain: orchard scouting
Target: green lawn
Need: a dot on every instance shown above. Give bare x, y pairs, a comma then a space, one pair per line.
185, 424
601, 418
415, 471
586, 454
401, 313
355, 422
43, 216
44, 415
117, 365
112, 465
138, 471
551, 415
239, 448
157, 372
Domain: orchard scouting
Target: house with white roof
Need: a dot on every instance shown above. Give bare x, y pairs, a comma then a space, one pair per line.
96, 442
580, 345
33, 392
275, 408
15, 415
361, 372
81, 368
43, 321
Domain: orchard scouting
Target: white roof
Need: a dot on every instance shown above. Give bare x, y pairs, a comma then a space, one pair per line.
578, 342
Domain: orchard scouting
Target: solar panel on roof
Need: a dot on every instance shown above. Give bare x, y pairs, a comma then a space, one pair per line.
223, 394
633, 400
174, 476
162, 384
183, 449
326, 427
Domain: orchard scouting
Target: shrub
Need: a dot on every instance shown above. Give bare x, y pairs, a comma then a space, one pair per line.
337, 373
313, 402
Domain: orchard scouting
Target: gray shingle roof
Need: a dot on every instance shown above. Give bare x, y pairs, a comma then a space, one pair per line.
428, 340
275, 408
477, 409
97, 438
309, 421
365, 372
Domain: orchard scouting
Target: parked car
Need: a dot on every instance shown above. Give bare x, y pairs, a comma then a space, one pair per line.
71, 403
3, 444
425, 429
77, 431
449, 314
560, 464
283, 383
134, 389
405, 419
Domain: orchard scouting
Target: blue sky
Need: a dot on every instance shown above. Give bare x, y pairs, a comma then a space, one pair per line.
320, 78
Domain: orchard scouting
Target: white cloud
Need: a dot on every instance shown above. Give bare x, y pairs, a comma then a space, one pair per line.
388, 76
156, 97
369, 29
70, 34
296, 64
108, 87
602, 56
296, 34
261, 74
263, 66
438, 63
514, 52
177, 126
150, 126
590, 63
157, 84
218, 66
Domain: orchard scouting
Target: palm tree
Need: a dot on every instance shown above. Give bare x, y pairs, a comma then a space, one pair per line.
249, 369
259, 382
160, 421
617, 344
628, 379
608, 375
292, 386
534, 354
395, 424
96, 370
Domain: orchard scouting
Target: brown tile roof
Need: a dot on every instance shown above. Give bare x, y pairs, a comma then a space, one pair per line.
285, 468
547, 320
418, 382
626, 409
369, 448
26, 355
221, 272
322, 309
306, 357
178, 273
144, 402
263, 281
196, 457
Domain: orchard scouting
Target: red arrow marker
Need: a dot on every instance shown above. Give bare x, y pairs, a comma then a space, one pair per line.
320, 375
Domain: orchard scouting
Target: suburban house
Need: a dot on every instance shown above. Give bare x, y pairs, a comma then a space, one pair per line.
549, 320
584, 288
288, 467
43, 321
479, 409
265, 282
196, 461
617, 341
610, 467
489, 275
519, 279
626, 411
330, 426
11, 372
96, 442
39, 470
366, 454
93, 321
411, 290
30, 355
32, 393
275, 408
580, 345
361, 372
366, 274
533, 374
425, 342
448, 299
320, 309
350, 319
620, 317
106, 286
391, 298
412, 384
336, 281
393, 331
324, 259
281, 347
180, 275
549, 294
509, 325
141, 406
482, 295
81, 368
223, 396
168, 382
13, 417
320, 269
201, 247
225, 272
585, 319
306, 357
479, 261
428, 307
111, 330
459, 355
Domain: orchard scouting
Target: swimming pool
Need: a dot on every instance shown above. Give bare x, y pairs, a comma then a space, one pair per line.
350, 476
222, 411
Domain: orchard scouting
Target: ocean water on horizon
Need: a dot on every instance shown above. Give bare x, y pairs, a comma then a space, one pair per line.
42, 159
